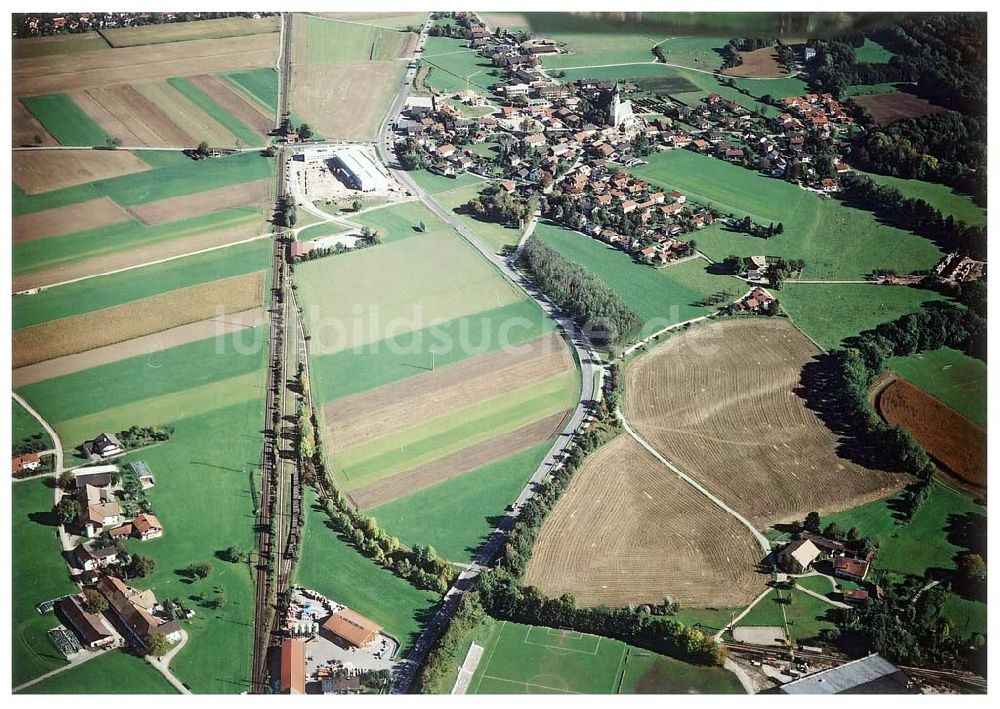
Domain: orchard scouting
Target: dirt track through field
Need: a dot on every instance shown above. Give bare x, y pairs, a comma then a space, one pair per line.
69, 219
136, 347
242, 107
720, 402
459, 462
252, 194
137, 318
67, 72
364, 417
124, 258
946, 435
628, 531
47, 170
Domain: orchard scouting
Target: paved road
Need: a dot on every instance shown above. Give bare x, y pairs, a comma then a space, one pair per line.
162, 664
592, 376
83, 656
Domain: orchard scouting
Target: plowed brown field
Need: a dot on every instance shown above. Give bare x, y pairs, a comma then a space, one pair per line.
46, 170
243, 108
896, 105
183, 111
760, 63
719, 402
65, 220
358, 419
101, 328
628, 531
253, 194
946, 435
67, 72
27, 129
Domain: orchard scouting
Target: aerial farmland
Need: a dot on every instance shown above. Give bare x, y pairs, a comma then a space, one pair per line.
495, 353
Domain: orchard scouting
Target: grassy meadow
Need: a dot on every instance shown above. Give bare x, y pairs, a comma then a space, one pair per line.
951, 376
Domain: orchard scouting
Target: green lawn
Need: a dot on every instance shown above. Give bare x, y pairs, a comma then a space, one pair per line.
776, 88
952, 376
803, 618
941, 196
400, 221
332, 567
64, 120
871, 52
317, 230
407, 354
829, 313
650, 77
455, 67
433, 184
448, 433
497, 236
24, 425
524, 659
43, 576
217, 112
114, 672
55, 251
921, 544
330, 42
469, 502
661, 297
966, 615
819, 584
259, 84
708, 620
151, 185
836, 242
106, 291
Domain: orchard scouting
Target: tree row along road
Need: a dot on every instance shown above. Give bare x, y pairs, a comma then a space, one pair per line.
590, 393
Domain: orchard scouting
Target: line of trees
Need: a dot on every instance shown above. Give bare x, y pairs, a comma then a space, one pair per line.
446, 654
587, 299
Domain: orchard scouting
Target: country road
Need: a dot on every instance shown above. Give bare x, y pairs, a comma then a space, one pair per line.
56, 443
590, 393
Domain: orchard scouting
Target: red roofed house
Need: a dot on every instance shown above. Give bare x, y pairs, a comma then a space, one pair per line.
851, 569
28, 461
293, 666
147, 527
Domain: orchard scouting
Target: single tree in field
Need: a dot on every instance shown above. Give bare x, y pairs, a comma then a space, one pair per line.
356, 205
94, 602
141, 566
305, 132
203, 148
158, 645
67, 510
199, 570
811, 523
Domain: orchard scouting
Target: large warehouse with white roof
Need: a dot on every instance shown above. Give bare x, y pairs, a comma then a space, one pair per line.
360, 171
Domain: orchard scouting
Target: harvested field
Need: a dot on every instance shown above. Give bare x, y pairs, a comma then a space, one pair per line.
101, 328
628, 531
243, 108
27, 129
141, 117
182, 111
760, 63
64, 220
896, 105
132, 257
67, 72
346, 101
720, 403
186, 31
27, 47
253, 194
47, 170
463, 461
111, 114
361, 418
147, 344
947, 436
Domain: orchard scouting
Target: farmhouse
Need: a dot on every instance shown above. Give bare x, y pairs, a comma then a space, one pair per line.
26, 462
293, 666
850, 569
129, 607
756, 267
146, 527
98, 509
798, 556
352, 628
91, 628
105, 445
92, 556
359, 171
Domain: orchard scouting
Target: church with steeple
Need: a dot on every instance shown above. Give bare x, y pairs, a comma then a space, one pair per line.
620, 112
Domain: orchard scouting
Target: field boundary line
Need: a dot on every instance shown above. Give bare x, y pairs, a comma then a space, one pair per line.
354, 22
765, 545
619, 679
531, 684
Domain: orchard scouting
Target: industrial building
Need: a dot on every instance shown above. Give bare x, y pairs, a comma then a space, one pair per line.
359, 171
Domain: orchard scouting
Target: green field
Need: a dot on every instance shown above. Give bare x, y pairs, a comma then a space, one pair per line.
524, 659
24, 425
332, 567
470, 502
829, 313
871, 89
836, 242
35, 557
114, 672
952, 376
918, 545
454, 67
437, 437
497, 236
25, 48
657, 78
235, 126
106, 291
941, 196
435, 184
802, 619
259, 84
872, 52
660, 296
160, 183
966, 615
400, 221
54, 251
64, 120
334, 42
